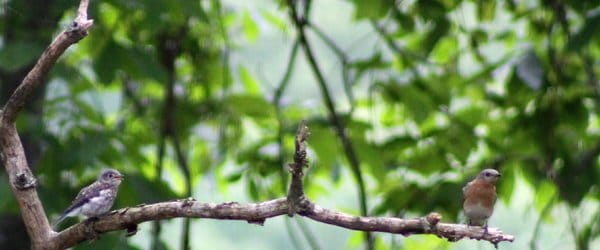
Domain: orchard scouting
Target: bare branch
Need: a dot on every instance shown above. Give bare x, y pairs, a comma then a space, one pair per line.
296, 191
129, 217
77, 31
338, 124
406, 227
257, 213
22, 181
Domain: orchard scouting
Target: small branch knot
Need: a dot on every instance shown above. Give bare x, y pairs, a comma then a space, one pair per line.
25, 181
433, 218
132, 229
304, 206
260, 222
79, 28
188, 202
296, 190
430, 221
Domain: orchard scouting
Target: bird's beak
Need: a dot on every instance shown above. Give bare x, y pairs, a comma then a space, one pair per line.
119, 177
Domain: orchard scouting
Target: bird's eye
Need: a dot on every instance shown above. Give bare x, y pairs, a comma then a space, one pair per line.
488, 174
110, 175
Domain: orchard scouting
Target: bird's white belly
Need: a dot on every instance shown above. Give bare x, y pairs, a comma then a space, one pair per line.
95, 206
477, 212
98, 205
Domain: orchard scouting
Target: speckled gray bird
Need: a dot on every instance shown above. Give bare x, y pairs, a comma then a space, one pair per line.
95, 199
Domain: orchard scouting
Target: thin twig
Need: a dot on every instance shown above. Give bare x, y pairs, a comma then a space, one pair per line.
291, 233
543, 213
346, 76
334, 117
278, 111
157, 179
184, 166
310, 237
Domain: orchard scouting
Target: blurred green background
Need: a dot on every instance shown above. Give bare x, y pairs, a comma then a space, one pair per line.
202, 99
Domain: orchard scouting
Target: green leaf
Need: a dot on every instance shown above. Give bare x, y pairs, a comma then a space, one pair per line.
252, 188
544, 193
417, 101
445, 50
107, 241
324, 142
274, 20
372, 63
250, 27
250, 105
251, 85
590, 29
18, 54
234, 177
486, 10
137, 62
8, 203
366, 9
137, 189
406, 21
431, 9
440, 29
506, 185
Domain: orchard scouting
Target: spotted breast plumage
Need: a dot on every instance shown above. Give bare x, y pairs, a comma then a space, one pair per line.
95, 199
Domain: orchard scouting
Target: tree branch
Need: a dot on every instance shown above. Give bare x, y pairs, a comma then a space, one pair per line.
299, 23
77, 31
347, 77
128, 218
257, 213
22, 181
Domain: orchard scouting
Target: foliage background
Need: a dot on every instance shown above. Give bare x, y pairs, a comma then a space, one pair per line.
201, 98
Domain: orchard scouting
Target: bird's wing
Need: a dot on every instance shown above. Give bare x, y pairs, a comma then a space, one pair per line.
86, 192
85, 195
466, 187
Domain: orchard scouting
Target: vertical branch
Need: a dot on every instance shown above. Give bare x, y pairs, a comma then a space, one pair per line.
226, 79
296, 199
278, 112
185, 168
347, 78
170, 48
547, 208
280, 135
157, 179
294, 239
296, 190
299, 23
310, 237
12, 155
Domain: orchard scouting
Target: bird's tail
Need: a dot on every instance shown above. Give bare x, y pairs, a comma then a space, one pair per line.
59, 220
62, 217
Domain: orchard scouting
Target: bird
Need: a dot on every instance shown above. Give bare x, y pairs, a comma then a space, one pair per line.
480, 197
95, 199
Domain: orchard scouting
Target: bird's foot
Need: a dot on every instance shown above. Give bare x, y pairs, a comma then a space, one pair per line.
91, 233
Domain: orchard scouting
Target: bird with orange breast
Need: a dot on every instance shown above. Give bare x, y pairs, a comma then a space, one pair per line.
480, 197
